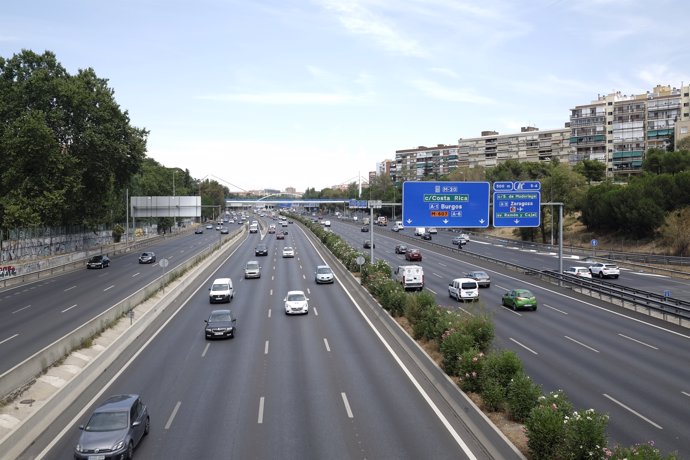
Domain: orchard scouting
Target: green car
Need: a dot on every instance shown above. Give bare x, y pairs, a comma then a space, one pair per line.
519, 299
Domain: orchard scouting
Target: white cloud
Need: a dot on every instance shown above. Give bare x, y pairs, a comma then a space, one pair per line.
285, 98
360, 20
444, 71
438, 91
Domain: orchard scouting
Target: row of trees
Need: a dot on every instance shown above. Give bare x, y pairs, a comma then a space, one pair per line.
69, 154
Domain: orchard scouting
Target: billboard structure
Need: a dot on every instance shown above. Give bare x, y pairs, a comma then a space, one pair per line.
165, 206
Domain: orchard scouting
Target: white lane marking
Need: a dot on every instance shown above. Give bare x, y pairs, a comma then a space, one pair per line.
685, 393
261, 410
638, 341
437, 275
270, 292
325, 342
269, 312
69, 308
266, 348
649, 274
581, 344
442, 265
316, 312
523, 346
172, 416
554, 308
347, 405
308, 291
433, 292
69, 288
502, 288
9, 338
23, 308
273, 277
203, 354
136, 274
109, 288
634, 412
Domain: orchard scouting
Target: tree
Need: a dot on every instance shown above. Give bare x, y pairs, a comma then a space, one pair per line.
592, 170
68, 149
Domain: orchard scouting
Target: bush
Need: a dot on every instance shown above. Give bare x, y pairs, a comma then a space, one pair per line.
453, 345
502, 366
416, 304
481, 329
522, 395
545, 432
493, 394
638, 452
545, 426
470, 367
585, 435
426, 324
397, 300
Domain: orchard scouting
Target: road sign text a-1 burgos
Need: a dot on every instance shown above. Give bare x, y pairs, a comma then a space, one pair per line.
446, 204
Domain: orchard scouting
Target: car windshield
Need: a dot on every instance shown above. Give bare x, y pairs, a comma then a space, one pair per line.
216, 317
323, 270
107, 421
252, 265
295, 297
96, 258
524, 294
220, 287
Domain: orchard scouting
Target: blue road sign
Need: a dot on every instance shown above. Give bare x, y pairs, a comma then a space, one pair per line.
527, 185
445, 204
594, 242
517, 209
503, 186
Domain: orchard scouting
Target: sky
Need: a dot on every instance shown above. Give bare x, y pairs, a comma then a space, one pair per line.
314, 93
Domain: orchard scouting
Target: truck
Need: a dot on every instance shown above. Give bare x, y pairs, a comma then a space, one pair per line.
410, 277
365, 221
382, 221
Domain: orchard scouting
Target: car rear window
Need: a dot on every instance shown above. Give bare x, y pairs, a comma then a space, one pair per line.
469, 285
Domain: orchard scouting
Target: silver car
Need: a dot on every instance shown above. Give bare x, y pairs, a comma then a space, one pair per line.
323, 274
114, 429
252, 269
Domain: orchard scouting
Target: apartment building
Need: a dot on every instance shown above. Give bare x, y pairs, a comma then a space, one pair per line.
424, 162
618, 129
529, 145
488, 150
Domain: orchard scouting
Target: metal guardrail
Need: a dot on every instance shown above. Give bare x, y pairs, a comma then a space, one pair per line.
622, 256
670, 309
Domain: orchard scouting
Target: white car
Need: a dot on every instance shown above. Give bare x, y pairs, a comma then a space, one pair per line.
323, 274
432, 230
288, 251
296, 303
578, 271
603, 270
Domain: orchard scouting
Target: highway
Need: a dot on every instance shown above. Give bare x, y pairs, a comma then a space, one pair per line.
283, 379
628, 365
34, 315
321, 385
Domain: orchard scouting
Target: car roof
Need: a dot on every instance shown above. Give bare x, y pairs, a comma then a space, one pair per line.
295, 292
322, 266
117, 403
222, 280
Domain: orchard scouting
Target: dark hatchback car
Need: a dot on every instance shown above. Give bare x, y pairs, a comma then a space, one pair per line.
365, 228
114, 429
367, 244
400, 248
261, 250
220, 325
413, 255
426, 236
147, 258
98, 262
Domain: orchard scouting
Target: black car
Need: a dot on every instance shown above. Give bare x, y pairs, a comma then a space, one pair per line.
367, 244
426, 236
400, 248
199, 231
147, 258
365, 228
220, 324
114, 429
101, 261
261, 250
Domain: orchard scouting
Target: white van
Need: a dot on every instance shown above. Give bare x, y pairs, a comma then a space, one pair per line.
410, 277
463, 289
254, 228
419, 231
221, 291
